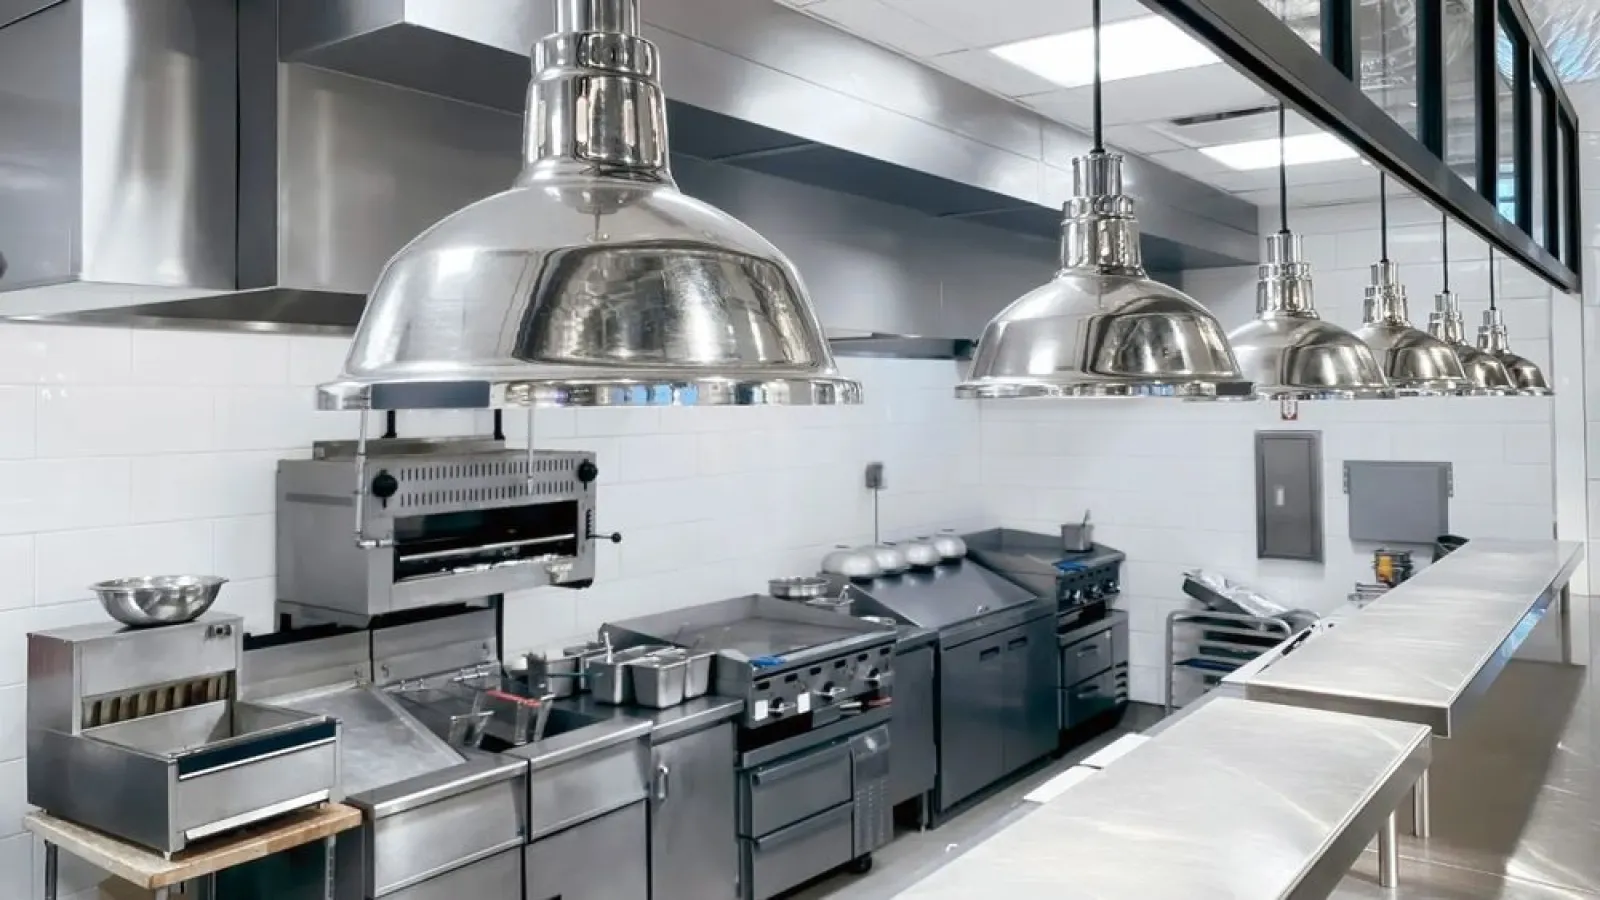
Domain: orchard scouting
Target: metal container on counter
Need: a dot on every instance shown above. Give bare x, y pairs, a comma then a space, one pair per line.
659, 679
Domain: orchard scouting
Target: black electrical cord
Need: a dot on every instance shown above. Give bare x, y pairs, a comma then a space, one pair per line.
1444, 244
1383, 215
1283, 171
1099, 119
1491, 280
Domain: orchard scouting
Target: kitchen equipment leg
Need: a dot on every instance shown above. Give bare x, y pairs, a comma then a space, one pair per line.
52, 872
1389, 853
328, 847
1421, 800
204, 888
1566, 624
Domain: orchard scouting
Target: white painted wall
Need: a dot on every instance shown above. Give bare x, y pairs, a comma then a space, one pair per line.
1173, 484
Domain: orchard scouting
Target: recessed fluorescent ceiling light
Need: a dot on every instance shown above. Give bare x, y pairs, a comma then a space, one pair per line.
1297, 151
1143, 46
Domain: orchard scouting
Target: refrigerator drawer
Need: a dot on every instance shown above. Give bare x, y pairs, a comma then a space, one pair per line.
1093, 697
790, 856
794, 788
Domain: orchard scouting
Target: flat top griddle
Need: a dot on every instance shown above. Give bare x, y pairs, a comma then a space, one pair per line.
754, 628
944, 596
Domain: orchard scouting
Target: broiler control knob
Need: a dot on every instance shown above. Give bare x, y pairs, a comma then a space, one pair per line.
385, 485
588, 471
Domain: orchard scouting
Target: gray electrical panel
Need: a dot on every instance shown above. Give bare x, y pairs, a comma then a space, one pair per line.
1289, 495
1398, 502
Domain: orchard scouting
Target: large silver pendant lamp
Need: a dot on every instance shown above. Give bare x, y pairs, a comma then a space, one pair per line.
1101, 327
1526, 378
1416, 363
1288, 351
1486, 374
593, 281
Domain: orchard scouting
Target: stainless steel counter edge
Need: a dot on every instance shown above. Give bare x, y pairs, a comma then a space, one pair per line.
479, 769
566, 747
1296, 681
665, 724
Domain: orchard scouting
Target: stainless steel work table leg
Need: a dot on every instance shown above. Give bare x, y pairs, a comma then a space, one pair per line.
1566, 624
204, 888
1421, 800
1389, 853
52, 859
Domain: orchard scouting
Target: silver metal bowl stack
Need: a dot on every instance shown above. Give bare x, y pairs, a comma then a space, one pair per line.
150, 600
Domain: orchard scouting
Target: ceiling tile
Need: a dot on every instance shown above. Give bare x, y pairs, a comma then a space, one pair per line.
1155, 98
881, 23
988, 24
983, 69
1140, 139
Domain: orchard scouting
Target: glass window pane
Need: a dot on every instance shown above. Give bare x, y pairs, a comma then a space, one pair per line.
1303, 18
1461, 92
1540, 176
1505, 67
1386, 34
1557, 242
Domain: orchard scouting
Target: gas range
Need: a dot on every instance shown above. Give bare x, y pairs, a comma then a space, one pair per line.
1087, 583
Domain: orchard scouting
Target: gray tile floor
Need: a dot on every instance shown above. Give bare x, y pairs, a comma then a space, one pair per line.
1516, 805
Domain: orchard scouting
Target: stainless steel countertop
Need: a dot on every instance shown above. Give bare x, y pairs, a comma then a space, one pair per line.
1239, 799
665, 724
1427, 650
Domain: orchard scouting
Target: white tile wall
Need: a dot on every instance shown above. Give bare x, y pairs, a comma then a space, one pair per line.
1173, 484
148, 451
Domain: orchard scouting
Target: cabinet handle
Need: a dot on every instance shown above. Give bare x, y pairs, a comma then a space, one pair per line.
1018, 643
1088, 651
990, 653
1086, 692
663, 784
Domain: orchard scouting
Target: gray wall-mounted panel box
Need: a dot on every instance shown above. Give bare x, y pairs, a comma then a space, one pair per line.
1289, 495
1398, 502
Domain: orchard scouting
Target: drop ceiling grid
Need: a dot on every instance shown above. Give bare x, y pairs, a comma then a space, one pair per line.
955, 36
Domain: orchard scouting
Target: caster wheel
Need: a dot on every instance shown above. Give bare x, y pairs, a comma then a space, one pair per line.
861, 865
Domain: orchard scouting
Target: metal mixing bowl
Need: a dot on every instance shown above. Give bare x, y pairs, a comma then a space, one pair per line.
158, 599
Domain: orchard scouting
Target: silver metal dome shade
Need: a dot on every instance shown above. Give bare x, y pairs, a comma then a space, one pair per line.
1527, 379
1416, 363
1486, 374
592, 281
1101, 328
1288, 351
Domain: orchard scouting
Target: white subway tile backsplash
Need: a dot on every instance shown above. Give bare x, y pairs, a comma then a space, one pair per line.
88, 420
58, 494
67, 562
56, 354
13, 720
315, 360
657, 457
650, 551
13, 796
16, 571
244, 547
203, 485
252, 599
18, 405
163, 357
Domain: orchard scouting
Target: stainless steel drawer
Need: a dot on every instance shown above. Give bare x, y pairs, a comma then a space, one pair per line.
1087, 658
785, 858
497, 878
791, 789
588, 785
602, 859
433, 836
1095, 696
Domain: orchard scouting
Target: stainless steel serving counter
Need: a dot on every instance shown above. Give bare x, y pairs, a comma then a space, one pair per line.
1427, 650
1239, 799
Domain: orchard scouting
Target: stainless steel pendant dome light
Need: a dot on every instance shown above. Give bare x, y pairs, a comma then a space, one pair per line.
1526, 378
593, 281
1416, 363
1101, 327
1486, 374
1288, 351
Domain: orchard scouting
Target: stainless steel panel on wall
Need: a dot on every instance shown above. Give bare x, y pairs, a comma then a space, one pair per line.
119, 144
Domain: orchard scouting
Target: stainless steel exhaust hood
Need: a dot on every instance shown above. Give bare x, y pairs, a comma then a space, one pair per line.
253, 164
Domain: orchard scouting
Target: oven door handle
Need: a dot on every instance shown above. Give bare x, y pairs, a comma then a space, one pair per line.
484, 548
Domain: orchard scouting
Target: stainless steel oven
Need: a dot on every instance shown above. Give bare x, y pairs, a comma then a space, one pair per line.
391, 525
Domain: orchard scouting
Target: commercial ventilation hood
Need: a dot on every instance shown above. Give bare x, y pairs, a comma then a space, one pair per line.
254, 164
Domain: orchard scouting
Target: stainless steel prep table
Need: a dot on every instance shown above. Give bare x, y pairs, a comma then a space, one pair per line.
1427, 650
1239, 799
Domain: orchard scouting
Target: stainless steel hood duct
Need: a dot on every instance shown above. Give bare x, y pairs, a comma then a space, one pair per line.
594, 281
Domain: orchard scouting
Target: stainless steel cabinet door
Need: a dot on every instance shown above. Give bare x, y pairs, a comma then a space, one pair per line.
1032, 677
913, 756
972, 718
694, 854
601, 859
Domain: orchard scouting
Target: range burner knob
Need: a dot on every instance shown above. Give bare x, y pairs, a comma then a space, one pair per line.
385, 486
588, 471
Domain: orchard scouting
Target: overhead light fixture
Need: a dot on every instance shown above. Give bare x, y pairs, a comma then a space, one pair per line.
1148, 45
1486, 374
1288, 351
1416, 363
593, 281
1101, 327
1527, 379
1302, 149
